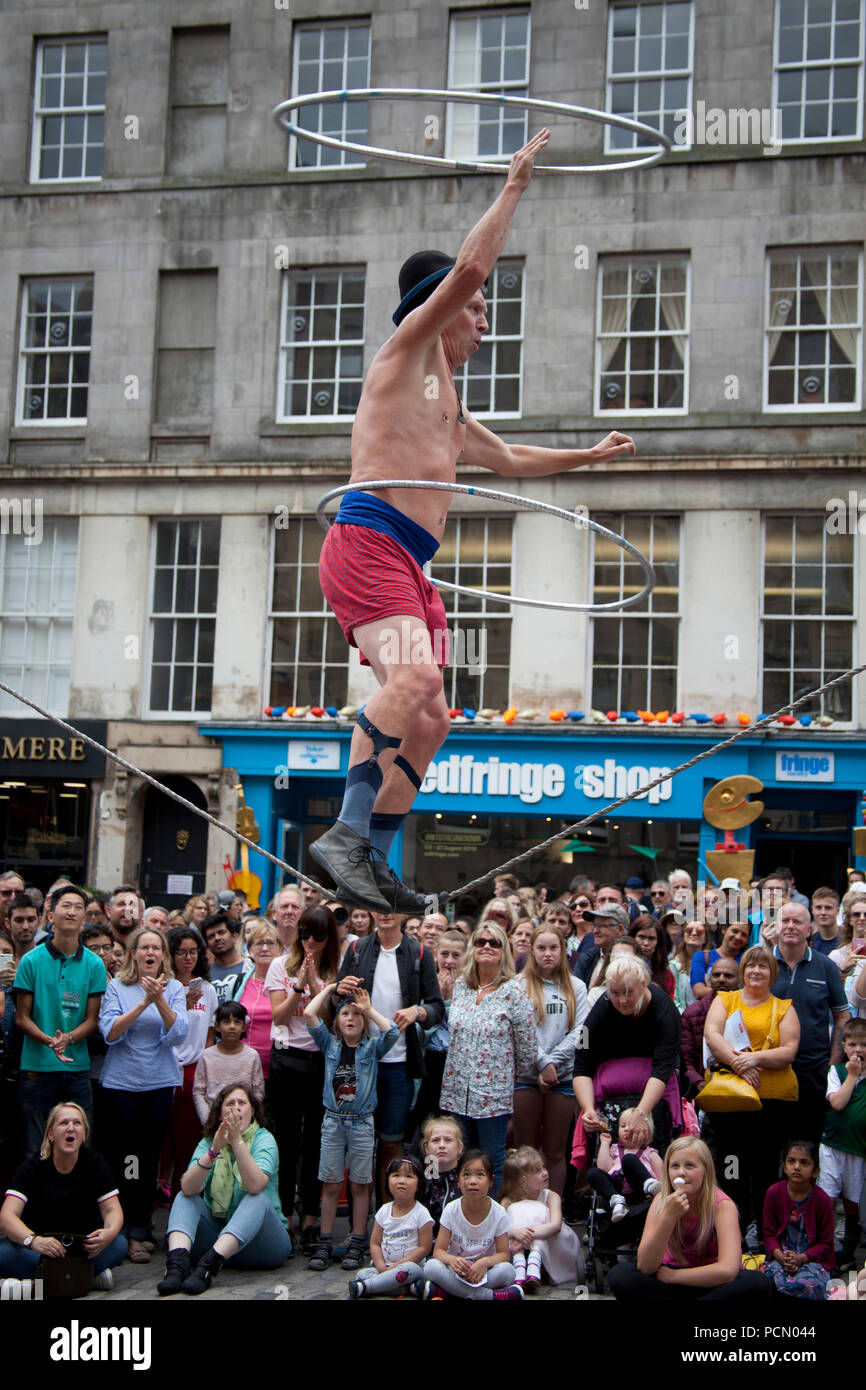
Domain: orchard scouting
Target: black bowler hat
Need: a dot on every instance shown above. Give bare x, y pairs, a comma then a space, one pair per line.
419, 277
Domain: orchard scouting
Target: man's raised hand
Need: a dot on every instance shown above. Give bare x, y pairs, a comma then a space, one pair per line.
611, 447
520, 169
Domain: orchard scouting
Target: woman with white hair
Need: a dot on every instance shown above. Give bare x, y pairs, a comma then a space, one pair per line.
632, 1047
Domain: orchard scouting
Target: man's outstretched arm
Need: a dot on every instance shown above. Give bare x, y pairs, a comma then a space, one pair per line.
486, 450
478, 254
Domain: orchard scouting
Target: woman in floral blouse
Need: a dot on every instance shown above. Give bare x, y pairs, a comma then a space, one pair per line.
491, 1028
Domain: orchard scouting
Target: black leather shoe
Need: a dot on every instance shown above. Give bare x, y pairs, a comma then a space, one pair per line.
347, 857
403, 899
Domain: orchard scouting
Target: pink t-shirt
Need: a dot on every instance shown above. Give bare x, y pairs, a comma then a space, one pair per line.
257, 1001
692, 1257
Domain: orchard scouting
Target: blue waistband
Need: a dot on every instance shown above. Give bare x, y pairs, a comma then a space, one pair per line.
365, 509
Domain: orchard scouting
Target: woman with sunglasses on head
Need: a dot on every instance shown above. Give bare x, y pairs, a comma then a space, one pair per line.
263, 948
492, 1040
296, 1074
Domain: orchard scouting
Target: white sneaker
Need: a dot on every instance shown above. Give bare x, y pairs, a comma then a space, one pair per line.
652, 1187
105, 1280
618, 1208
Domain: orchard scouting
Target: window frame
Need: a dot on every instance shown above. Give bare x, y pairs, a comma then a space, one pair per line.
325, 614
284, 346
49, 422
39, 113
152, 616
817, 407
631, 613
512, 87
612, 79
658, 259
43, 615
348, 158
820, 618
488, 611
805, 65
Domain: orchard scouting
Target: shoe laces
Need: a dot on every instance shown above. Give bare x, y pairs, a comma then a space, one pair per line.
361, 854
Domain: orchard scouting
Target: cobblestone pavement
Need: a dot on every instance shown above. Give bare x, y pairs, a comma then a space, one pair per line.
292, 1282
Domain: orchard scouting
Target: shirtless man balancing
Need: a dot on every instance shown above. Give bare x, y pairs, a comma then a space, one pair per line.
370, 567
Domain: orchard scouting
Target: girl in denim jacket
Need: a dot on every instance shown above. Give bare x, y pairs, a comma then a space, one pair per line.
348, 1134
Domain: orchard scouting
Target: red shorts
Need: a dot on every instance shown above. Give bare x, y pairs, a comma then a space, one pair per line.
367, 576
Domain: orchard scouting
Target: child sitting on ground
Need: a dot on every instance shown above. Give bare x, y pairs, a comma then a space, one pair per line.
349, 1097
538, 1236
229, 1062
402, 1235
471, 1255
798, 1226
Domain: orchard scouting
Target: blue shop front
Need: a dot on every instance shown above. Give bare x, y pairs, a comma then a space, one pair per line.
494, 791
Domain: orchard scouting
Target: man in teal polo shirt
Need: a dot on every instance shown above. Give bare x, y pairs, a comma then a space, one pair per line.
58, 990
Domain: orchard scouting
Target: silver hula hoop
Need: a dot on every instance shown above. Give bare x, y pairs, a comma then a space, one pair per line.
557, 108
582, 523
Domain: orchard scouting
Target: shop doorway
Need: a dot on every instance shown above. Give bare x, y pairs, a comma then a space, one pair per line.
173, 846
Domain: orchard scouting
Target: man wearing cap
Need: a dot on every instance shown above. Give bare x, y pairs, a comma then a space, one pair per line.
411, 424
609, 924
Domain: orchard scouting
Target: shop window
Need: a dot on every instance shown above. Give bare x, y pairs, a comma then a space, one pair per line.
37, 605
818, 83
489, 383
642, 353
183, 616
69, 110
309, 660
476, 552
330, 58
321, 344
636, 653
808, 613
649, 68
488, 52
814, 325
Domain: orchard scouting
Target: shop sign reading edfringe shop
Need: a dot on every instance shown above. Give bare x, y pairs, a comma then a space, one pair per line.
463, 775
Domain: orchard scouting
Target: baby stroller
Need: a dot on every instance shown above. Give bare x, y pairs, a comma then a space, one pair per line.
605, 1238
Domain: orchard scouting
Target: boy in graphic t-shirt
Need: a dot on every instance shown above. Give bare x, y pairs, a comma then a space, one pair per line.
348, 1134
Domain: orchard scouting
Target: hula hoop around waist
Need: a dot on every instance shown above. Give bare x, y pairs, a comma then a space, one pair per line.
578, 520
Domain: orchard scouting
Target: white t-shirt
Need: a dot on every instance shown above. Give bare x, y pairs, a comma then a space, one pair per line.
474, 1242
400, 1233
200, 1018
387, 997
295, 1032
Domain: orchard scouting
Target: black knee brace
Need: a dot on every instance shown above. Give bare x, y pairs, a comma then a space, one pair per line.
380, 741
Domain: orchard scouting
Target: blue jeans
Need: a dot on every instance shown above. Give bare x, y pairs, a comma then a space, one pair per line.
264, 1241
489, 1135
39, 1091
347, 1137
21, 1263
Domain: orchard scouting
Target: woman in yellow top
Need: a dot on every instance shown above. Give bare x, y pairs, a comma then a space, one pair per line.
748, 1142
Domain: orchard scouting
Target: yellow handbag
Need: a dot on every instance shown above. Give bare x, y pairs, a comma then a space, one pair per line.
725, 1091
